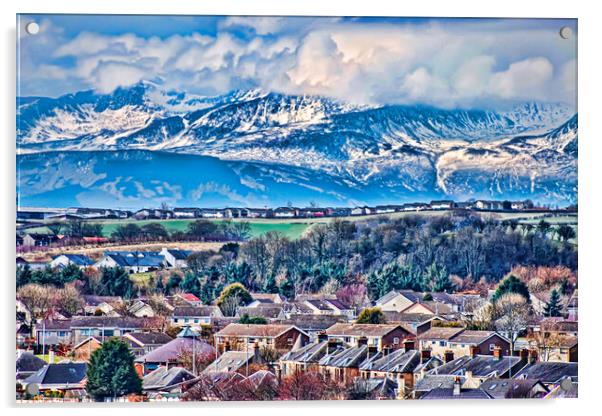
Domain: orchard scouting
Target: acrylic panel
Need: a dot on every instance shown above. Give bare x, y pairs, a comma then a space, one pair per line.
278, 208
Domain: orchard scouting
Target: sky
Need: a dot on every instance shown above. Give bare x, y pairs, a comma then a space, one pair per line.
436, 61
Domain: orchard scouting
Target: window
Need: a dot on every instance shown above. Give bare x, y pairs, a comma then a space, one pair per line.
196, 321
491, 347
108, 333
395, 341
289, 341
442, 343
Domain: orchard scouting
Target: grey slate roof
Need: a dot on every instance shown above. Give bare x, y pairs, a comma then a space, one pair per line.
433, 381
480, 366
61, 373
550, 372
172, 351
28, 363
163, 378
310, 353
149, 338
398, 361
507, 388
448, 393
107, 322
229, 361
78, 259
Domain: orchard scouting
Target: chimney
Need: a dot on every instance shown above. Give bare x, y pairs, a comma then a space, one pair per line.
362, 341
497, 352
408, 345
448, 356
474, 351
332, 346
524, 355
425, 355
457, 386
256, 356
227, 346
322, 337
532, 356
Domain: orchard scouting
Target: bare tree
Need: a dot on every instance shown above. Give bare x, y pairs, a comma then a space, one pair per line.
512, 313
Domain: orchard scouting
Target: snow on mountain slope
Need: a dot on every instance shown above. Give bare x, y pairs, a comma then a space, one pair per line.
413, 151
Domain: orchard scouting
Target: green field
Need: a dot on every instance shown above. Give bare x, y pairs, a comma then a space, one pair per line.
288, 228
295, 227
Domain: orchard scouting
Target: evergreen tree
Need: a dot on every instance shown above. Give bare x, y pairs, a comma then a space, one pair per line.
115, 281
270, 286
287, 288
553, 307
436, 279
191, 284
111, 371
511, 284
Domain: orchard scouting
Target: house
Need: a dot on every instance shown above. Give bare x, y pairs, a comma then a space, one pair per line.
140, 309
380, 336
445, 204
430, 308
416, 323
132, 261
304, 358
500, 388
398, 365
186, 299
102, 327
102, 305
266, 298
551, 374
398, 301
176, 258
237, 361
39, 240
455, 392
414, 207
141, 343
170, 380
212, 213
52, 332
195, 316
153, 214
27, 364
279, 337
271, 312
386, 209
378, 388
63, 260
343, 364
477, 368
187, 212
562, 349
313, 325
59, 377
329, 306
84, 349
470, 342
286, 212
459, 342
172, 354
436, 339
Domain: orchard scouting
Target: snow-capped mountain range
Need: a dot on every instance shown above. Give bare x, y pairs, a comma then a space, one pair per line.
129, 149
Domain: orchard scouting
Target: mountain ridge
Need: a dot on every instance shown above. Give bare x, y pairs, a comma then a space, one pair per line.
528, 151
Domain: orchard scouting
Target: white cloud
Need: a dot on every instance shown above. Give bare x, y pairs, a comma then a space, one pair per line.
442, 64
110, 75
524, 79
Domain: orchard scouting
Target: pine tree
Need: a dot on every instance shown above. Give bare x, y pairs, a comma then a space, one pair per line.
270, 286
111, 371
553, 307
511, 284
